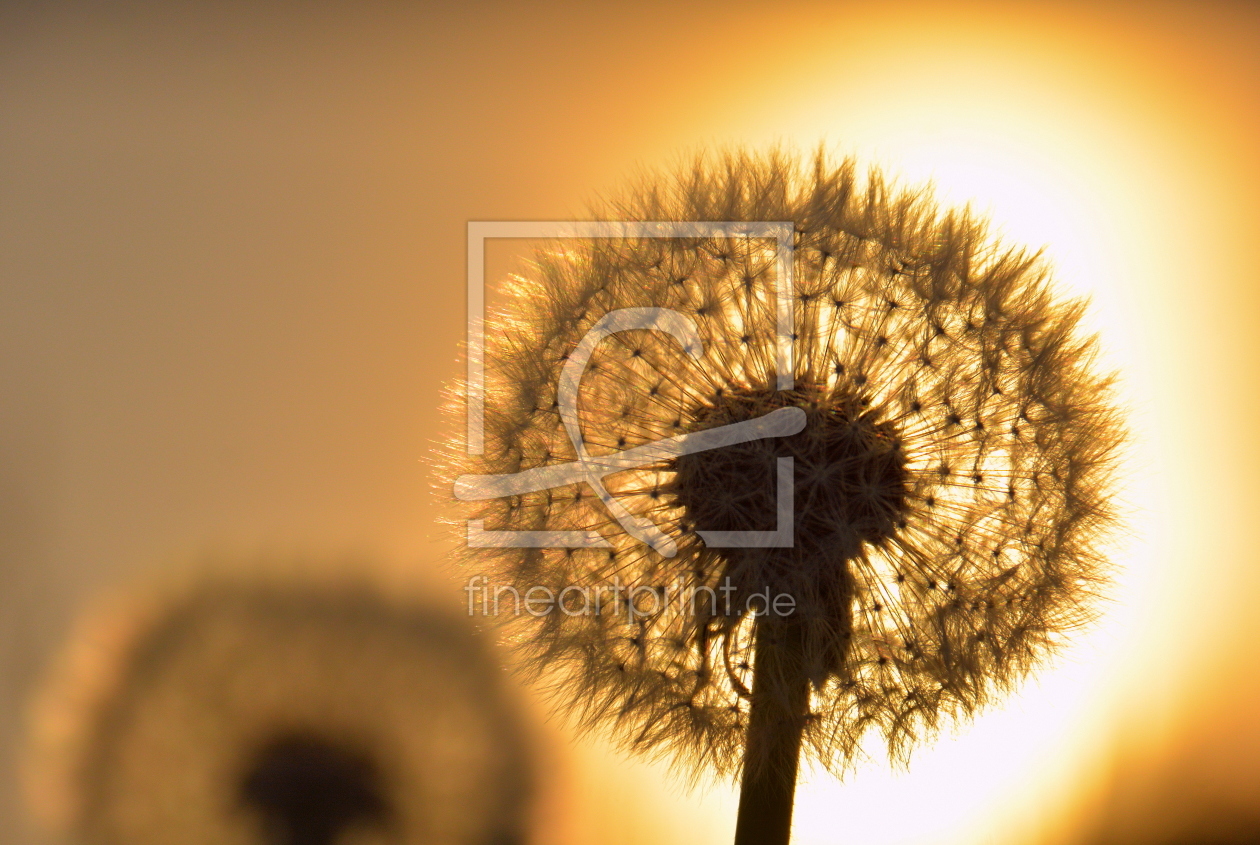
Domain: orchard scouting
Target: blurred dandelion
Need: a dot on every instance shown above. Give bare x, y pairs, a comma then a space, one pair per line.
951, 481
280, 712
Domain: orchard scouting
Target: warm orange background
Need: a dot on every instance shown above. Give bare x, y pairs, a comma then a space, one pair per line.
232, 287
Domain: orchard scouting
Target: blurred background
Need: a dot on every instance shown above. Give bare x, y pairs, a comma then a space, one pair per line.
232, 264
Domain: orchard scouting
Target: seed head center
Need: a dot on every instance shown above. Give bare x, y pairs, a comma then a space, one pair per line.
850, 477
310, 791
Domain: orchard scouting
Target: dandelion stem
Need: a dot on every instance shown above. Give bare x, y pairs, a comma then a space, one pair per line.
780, 704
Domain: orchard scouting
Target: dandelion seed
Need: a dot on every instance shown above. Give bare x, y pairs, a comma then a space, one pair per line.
951, 483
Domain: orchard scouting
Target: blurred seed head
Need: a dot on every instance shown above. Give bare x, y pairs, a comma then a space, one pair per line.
279, 711
953, 482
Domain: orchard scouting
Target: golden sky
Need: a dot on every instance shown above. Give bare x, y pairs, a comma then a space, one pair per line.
232, 290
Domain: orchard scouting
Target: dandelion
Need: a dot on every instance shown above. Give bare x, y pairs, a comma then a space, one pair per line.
951, 472
278, 712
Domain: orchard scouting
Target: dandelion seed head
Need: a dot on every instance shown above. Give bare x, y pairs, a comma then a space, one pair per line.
278, 709
952, 484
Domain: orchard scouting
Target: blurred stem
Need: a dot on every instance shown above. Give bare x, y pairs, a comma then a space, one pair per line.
780, 705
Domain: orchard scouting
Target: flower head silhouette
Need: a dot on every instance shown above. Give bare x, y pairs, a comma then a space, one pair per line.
950, 482
280, 710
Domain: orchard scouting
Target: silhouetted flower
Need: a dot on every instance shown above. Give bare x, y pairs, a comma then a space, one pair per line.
283, 713
951, 482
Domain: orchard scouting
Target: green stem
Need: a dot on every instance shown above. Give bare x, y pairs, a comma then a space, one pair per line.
780, 705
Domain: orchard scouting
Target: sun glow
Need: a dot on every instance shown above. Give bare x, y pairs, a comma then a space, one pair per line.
1114, 151
1055, 141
